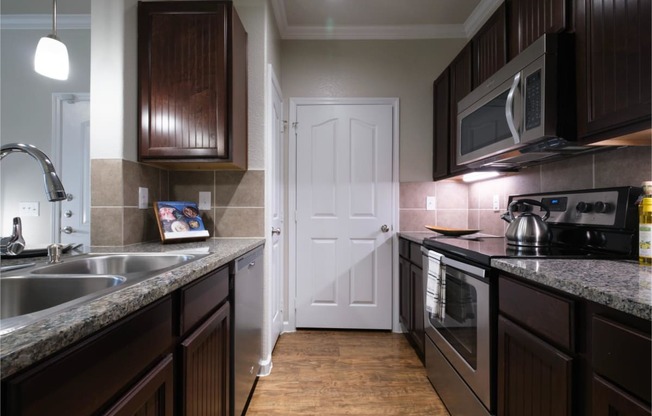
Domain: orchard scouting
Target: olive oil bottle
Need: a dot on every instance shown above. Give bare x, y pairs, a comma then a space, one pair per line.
645, 226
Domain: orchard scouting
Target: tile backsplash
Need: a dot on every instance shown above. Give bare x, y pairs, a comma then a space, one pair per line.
237, 208
461, 205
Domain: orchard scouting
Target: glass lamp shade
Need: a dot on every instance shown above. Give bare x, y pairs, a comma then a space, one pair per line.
51, 58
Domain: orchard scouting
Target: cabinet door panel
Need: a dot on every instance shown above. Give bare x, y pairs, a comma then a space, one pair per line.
183, 80
529, 19
614, 66
152, 396
418, 297
441, 121
534, 378
461, 84
608, 400
205, 362
405, 298
490, 47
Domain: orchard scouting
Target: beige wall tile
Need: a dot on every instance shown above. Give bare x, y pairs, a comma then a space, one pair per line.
186, 185
453, 218
413, 194
452, 195
629, 166
240, 189
106, 226
106, 183
164, 185
239, 222
474, 218
139, 226
573, 173
139, 175
416, 219
489, 222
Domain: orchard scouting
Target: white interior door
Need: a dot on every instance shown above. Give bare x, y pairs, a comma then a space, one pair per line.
344, 178
277, 233
72, 147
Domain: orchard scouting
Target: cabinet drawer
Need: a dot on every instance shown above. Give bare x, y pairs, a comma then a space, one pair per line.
404, 248
622, 355
201, 297
84, 378
547, 315
415, 254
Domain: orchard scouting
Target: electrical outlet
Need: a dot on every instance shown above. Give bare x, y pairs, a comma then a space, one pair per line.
204, 201
431, 203
143, 198
496, 202
28, 209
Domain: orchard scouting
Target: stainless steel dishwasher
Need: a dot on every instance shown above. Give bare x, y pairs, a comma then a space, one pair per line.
248, 325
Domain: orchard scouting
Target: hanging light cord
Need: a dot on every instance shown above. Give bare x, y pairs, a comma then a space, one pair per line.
54, 18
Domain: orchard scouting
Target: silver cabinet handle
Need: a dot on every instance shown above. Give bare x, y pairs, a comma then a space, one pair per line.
509, 112
67, 229
276, 231
384, 228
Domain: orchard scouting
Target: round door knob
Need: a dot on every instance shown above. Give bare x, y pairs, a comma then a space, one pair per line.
67, 229
68, 214
276, 231
384, 228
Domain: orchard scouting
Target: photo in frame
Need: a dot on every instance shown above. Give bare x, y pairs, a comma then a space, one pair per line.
179, 221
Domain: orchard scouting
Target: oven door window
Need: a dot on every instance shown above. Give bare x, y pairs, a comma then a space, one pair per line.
460, 325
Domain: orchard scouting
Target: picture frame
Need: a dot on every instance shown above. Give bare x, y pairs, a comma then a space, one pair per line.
179, 221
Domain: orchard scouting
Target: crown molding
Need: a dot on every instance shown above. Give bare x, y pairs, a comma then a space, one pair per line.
465, 31
479, 16
44, 21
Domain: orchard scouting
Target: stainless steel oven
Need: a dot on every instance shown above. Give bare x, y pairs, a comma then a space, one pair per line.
459, 333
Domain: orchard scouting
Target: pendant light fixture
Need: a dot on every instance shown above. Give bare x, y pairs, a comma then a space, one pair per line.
51, 57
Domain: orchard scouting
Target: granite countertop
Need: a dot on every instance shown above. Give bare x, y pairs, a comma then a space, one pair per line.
622, 285
29, 344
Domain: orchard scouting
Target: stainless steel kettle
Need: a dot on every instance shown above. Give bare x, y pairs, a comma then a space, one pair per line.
528, 229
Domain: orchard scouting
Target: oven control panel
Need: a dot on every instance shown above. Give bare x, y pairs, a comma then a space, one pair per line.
599, 207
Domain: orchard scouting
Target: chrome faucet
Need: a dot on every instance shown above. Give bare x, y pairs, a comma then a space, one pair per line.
53, 189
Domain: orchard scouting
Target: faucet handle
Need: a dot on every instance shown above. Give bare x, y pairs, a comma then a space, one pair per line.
14, 244
54, 253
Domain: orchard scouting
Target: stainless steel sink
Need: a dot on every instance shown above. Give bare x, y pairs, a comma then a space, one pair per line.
29, 294
20, 295
116, 264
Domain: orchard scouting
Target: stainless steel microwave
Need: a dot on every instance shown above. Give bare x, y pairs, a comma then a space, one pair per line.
525, 112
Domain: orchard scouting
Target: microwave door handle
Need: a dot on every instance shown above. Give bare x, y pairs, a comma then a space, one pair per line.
509, 109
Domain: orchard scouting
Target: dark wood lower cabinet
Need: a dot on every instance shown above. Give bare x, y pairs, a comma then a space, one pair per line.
412, 295
205, 356
153, 395
534, 378
609, 400
418, 295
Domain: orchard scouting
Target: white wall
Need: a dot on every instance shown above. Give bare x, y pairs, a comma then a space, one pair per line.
376, 68
26, 117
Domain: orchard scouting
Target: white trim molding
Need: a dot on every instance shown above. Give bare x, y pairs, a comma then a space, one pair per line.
466, 30
44, 21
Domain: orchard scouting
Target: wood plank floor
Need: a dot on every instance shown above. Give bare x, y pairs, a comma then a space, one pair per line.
319, 372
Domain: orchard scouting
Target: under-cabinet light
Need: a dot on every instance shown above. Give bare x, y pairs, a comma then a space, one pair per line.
478, 176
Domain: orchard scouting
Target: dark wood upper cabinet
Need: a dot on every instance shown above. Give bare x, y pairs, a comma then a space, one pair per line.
461, 84
529, 19
490, 47
192, 85
613, 67
441, 124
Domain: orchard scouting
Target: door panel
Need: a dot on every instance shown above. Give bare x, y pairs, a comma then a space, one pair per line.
344, 196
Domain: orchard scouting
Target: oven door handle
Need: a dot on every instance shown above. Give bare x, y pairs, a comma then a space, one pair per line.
509, 109
464, 267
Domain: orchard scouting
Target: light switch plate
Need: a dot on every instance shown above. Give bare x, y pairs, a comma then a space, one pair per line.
143, 198
28, 209
431, 203
496, 202
204, 201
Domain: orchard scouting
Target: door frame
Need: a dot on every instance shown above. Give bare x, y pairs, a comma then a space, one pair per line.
58, 99
291, 216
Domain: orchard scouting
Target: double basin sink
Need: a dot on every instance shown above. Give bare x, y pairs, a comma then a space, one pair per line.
32, 293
